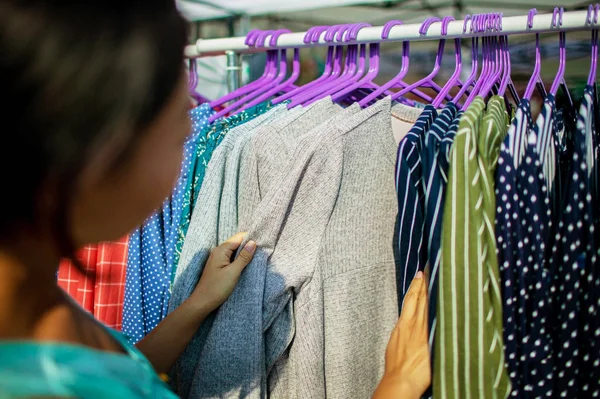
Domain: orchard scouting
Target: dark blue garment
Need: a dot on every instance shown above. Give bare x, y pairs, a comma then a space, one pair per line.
152, 246
435, 161
435, 172
535, 217
410, 250
588, 260
508, 235
574, 282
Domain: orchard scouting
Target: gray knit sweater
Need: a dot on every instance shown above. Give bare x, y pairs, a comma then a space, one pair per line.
201, 238
230, 358
269, 152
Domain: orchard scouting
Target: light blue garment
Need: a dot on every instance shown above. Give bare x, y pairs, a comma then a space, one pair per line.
31, 369
152, 248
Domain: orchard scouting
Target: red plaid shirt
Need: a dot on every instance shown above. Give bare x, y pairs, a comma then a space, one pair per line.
103, 291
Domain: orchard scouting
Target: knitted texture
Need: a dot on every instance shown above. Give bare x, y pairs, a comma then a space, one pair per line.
202, 236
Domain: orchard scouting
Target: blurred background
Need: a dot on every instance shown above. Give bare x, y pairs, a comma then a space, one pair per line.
226, 18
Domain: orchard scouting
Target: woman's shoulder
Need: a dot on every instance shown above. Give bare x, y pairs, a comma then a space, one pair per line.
34, 369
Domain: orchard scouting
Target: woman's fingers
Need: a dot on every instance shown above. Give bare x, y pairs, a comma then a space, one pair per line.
409, 306
421, 322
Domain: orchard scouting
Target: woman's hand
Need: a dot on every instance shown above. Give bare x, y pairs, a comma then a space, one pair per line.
220, 274
167, 341
407, 363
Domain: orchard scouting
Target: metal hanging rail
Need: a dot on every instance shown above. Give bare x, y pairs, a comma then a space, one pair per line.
542, 23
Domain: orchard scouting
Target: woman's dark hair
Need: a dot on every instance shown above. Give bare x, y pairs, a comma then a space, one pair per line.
75, 75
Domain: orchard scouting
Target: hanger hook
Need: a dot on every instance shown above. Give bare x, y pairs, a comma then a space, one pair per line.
466, 19
385, 34
316, 35
483, 22
500, 18
275, 36
588, 18
560, 16
331, 31
427, 23
251, 37
309, 34
353, 33
530, 16
445, 22
475, 22
262, 38
558, 12
344, 29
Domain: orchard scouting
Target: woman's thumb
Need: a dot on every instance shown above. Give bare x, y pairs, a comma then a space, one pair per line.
245, 256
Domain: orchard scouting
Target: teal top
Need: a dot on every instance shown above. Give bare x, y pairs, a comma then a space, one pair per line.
32, 369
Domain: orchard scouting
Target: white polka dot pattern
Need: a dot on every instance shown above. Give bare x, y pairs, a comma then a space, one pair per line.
151, 249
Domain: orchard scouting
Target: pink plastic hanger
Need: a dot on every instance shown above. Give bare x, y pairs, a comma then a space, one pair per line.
428, 80
312, 36
350, 68
286, 86
455, 78
250, 41
474, 56
594, 63
272, 79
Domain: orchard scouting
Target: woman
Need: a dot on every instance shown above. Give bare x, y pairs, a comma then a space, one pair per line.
96, 99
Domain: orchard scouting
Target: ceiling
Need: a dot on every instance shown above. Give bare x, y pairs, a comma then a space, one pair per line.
376, 12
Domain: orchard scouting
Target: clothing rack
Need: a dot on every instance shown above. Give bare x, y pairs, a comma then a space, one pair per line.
542, 23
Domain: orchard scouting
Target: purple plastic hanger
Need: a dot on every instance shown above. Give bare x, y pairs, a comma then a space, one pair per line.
483, 25
503, 42
368, 78
506, 82
455, 78
273, 77
278, 66
286, 86
355, 68
497, 59
250, 41
594, 62
385, 34
537, 69
560, 75
474, 56
428, 80
312, 36
333, 66
349, 70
